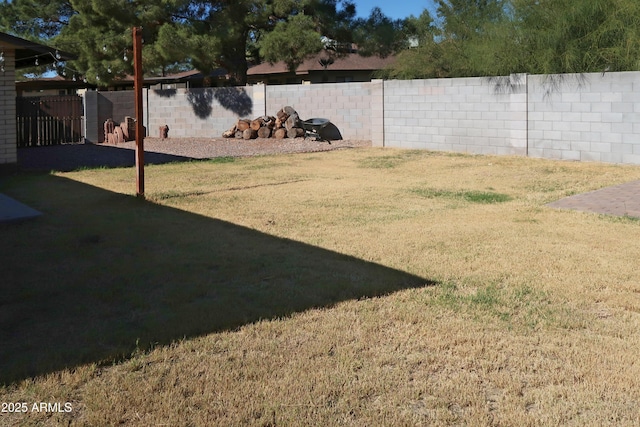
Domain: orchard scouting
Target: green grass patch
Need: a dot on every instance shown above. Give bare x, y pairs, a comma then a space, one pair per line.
173, 194
472, 196
519, 307
87, 168
224, 159
393, 160
624, 219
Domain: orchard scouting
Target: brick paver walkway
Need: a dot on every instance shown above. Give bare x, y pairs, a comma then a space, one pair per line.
621, 200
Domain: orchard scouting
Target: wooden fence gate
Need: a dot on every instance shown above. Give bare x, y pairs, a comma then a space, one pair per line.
49, 120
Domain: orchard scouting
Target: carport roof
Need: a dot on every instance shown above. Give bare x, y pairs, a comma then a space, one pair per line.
27, 51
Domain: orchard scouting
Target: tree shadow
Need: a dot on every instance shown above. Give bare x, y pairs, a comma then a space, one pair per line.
234, 99
165, 93
201, 101
71, 157
100, 275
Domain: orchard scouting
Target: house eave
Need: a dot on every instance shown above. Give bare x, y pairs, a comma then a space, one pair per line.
26, 52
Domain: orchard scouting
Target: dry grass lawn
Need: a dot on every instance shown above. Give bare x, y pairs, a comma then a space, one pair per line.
359, 287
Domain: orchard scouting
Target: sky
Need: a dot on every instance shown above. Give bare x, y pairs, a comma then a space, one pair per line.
398, 9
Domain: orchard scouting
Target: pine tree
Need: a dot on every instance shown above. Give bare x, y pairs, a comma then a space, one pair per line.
203, 34
36, 20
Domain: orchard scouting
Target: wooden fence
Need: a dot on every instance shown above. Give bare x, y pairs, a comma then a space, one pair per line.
49, 120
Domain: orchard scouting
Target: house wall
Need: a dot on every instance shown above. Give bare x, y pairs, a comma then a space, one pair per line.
44, 92
8, 146
330, 76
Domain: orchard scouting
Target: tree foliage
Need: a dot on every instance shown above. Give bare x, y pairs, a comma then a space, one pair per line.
500, 37
567, 36
203, 34
453, 43
291, 41
464, 38
380, 35
100, 34
35, 19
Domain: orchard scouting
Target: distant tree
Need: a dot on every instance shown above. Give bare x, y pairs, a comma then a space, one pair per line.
380, 35
229, 34
454, 43
424, 58
291, 41
564, 36
100, 34
500, 37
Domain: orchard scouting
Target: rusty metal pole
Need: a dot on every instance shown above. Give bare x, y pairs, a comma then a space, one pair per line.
137, 86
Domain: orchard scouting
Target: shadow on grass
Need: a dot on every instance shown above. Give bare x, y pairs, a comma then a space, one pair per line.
100, 272
71, 157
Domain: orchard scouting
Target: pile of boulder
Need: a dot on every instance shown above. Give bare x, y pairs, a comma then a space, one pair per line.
285, 124
117, 134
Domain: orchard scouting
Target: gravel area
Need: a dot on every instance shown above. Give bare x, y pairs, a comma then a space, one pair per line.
69, 157
204, 148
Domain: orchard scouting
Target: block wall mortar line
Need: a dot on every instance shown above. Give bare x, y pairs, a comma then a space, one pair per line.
526, 91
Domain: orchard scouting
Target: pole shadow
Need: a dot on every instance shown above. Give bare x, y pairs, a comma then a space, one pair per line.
100, 275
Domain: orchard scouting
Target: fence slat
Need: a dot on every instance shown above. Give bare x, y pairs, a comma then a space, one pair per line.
48, 120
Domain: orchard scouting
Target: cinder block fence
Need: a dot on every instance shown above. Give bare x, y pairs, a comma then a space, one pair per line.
588, 117
466, 115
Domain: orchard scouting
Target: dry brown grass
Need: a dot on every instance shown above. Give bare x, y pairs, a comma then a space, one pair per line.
533, 318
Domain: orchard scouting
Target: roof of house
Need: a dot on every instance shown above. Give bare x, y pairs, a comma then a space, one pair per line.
348, 62
186, 75
27, 51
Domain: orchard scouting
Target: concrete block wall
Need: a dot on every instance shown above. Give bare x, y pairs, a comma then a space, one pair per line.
588, 117
92, 127
202, 112
117, 105
465, 115
8, 135
377, 113
100, 106
347, 105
